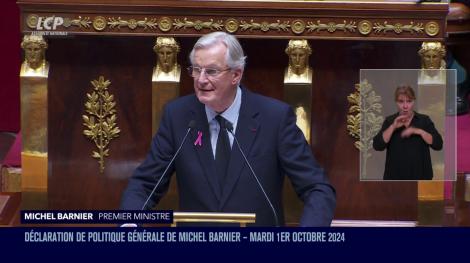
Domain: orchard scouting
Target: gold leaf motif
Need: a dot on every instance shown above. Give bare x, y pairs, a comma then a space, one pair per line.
265, 26
132, 23
365, 111
398, 28
331, 26
80, 22
100, 105
198, 24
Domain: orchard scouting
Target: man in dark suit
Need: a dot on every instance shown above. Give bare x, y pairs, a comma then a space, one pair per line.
211, 172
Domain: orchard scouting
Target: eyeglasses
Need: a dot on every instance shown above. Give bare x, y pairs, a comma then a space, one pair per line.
210, 72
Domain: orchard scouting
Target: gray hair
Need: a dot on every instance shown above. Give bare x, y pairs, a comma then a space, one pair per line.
234, 57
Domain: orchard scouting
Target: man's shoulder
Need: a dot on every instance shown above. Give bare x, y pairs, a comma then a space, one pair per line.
183, 102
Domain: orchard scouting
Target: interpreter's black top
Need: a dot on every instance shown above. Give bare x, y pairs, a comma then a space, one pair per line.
408, 158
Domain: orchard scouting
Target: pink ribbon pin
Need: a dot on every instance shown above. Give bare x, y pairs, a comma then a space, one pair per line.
198, 141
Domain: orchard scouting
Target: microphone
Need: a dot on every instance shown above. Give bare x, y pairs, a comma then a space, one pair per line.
229, 128
191, 126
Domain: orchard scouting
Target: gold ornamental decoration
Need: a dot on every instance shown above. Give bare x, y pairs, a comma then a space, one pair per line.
80, 22
398, 28
365, 113
132, 23
354, 116
101, 119
298, 26
364, 27
231, 25
364, 103
164, 24
32, 21
265, 26
198, 24
431, 29
99, 23
331, 26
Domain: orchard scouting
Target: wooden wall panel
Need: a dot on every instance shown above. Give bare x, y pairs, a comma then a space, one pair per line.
75, 181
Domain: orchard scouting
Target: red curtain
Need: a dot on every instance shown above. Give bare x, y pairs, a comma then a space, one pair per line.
10, 60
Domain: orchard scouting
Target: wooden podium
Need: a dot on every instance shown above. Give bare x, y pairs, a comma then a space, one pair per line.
114, 39
194, 217
9, 206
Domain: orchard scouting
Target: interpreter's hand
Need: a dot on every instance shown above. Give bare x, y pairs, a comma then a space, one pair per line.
400, 121
408, 132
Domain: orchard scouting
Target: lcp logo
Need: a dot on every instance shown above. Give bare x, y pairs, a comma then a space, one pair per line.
44, 23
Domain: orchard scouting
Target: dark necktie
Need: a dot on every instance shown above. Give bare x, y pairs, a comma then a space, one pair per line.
222, 151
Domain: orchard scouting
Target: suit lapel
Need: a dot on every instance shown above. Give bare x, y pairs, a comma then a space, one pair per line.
247, 128
204, 149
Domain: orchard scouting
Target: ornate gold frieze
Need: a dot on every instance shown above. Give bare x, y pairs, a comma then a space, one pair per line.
81, 22
132, 23
265, 26
197, 24
101, 119
232, 25
398, 27
331, 26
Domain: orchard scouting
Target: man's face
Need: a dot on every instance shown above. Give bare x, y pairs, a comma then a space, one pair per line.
33, 55
431, 59
217, 92
166, 58
298, 60
405, 105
